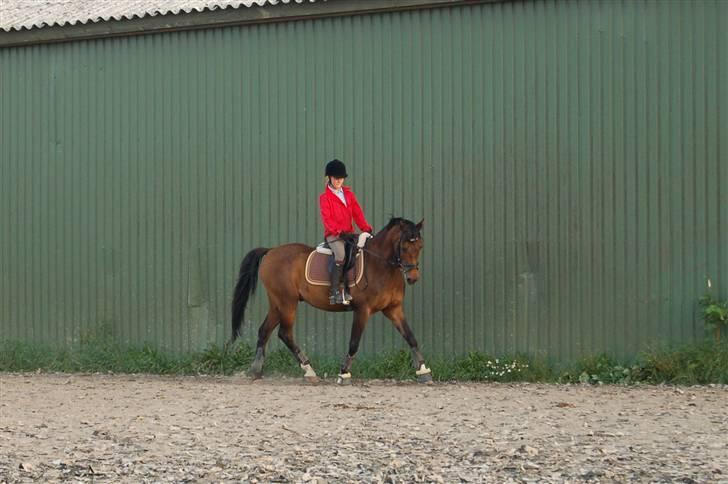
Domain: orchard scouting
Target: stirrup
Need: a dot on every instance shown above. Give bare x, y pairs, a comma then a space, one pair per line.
337, 298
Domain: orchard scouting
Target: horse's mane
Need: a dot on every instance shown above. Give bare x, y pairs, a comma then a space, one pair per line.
406, 225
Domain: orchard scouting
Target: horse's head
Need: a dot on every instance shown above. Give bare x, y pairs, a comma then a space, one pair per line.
408, 244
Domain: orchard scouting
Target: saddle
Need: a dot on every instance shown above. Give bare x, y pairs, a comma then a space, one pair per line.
320, 260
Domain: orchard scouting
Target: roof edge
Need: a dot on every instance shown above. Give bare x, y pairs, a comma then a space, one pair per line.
217, 18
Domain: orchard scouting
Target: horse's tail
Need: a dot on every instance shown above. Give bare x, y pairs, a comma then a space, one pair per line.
247, 280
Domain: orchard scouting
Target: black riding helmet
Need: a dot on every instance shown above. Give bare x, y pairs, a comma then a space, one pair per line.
336, 168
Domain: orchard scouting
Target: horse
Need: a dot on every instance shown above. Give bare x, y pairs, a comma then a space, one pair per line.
392, 258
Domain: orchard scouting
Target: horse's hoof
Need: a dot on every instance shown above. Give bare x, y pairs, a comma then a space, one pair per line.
256, 369
255, 376
312, 379
344, 379
425, 379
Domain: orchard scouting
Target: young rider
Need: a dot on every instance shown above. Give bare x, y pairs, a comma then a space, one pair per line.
339, 206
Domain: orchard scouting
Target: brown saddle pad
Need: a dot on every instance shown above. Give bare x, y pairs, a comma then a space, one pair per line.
317, 269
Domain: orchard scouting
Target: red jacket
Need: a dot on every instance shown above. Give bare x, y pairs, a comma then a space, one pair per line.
337, 217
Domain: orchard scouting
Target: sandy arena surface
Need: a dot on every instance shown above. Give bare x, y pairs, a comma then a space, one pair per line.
112, 428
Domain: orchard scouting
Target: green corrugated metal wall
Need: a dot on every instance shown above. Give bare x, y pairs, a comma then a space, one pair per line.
569, 158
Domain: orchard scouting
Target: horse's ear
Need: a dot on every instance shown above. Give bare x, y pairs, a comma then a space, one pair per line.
419, 225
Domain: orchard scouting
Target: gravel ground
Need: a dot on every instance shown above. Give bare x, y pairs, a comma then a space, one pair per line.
110, 428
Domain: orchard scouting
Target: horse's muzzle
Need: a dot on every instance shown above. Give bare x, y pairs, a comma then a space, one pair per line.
412, 276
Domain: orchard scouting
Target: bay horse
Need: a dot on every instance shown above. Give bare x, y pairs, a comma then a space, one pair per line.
392, 258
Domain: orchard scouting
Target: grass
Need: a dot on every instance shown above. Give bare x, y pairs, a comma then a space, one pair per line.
700, 363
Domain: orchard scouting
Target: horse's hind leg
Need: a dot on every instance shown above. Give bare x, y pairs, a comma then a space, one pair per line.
269, 324
285, 333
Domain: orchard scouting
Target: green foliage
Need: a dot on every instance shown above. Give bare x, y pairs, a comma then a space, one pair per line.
391, 364
601, 369
702, 363
477, 366
715, 313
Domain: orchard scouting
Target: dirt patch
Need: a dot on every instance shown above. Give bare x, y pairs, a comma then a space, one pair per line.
159, 429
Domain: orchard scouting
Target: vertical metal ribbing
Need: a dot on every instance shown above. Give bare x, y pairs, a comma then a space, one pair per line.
569, 172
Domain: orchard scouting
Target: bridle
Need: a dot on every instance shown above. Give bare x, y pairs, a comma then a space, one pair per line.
404, 267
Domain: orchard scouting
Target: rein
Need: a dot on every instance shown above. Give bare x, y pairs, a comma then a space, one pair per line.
395, 261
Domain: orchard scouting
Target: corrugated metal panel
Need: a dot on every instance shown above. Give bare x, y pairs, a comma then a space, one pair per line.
28, 14
569, 160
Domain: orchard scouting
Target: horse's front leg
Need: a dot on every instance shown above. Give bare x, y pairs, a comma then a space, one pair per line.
361, 316
396, 315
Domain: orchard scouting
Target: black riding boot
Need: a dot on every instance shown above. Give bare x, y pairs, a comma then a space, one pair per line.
335, 294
